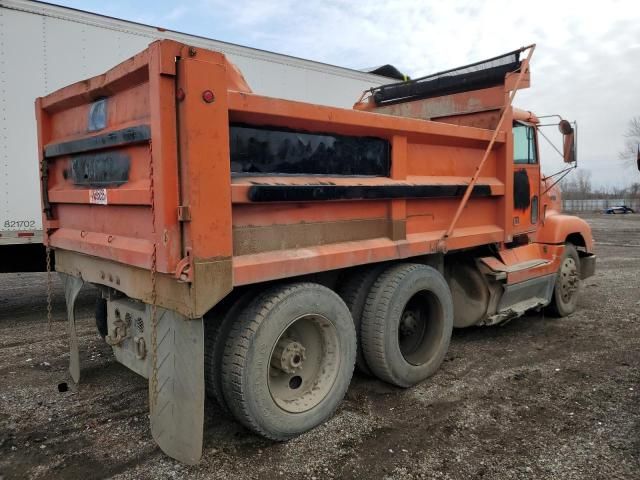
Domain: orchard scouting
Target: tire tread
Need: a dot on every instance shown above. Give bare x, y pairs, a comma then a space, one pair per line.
554, 308
374, 320
354, 290
234, 361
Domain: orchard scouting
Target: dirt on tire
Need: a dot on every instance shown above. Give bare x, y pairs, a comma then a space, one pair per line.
539, 397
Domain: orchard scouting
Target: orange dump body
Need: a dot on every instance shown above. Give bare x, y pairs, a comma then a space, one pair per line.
152, 188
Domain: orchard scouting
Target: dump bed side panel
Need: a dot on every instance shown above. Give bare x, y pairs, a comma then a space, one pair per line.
294, 222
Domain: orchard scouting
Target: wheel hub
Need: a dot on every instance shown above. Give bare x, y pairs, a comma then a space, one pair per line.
408, 323
288, 356
304, 363
569, 279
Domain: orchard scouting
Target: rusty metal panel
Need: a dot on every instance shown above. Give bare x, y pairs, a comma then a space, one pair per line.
247, 240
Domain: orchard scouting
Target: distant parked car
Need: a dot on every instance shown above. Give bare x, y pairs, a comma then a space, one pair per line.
619, 209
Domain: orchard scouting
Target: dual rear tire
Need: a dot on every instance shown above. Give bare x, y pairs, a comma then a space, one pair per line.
281, 361
288, 359
407, 324
354, 290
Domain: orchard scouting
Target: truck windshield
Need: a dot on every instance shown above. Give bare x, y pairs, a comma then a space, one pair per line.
524, 144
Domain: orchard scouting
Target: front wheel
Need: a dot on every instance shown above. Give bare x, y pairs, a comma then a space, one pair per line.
288, 360
567, 287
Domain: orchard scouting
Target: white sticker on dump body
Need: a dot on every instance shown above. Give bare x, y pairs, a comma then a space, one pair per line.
98, 196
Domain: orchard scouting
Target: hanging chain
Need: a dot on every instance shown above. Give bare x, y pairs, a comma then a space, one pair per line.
154, 308
48, 250
44, 183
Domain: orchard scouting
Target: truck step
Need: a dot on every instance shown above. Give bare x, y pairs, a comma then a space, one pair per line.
499, 270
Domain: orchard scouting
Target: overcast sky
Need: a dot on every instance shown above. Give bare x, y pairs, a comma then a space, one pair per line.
586, 66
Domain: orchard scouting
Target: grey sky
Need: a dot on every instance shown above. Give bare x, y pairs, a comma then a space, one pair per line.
586, 67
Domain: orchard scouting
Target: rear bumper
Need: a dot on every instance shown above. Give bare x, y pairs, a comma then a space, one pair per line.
587, 266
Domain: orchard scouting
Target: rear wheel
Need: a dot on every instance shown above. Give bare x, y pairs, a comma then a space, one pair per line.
567, 288
354, 291
101, 316
216, 330
407, 324
288, 360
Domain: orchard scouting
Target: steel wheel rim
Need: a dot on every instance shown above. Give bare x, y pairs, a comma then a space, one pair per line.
568, 279
304, 363
420, 328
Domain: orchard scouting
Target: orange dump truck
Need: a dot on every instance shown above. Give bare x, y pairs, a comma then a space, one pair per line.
254, 250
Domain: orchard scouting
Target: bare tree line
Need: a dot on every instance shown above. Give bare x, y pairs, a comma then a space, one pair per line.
578, 185
629, 153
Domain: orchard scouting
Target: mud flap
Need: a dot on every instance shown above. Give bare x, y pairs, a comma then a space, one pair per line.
177, 414
72, 286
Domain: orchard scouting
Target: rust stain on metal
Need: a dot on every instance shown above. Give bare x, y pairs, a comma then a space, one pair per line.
249, 239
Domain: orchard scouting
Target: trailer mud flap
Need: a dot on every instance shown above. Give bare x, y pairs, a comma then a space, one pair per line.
177, 399
72, 286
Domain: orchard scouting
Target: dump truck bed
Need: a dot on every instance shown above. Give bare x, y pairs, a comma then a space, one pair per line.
168, 162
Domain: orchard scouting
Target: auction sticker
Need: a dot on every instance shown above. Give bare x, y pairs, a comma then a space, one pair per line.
98, 196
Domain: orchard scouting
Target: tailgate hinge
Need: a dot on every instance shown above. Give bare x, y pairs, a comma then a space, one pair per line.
184, 213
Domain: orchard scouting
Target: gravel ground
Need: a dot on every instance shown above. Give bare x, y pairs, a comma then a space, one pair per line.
537, 398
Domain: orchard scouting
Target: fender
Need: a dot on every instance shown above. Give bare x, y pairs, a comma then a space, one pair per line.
559, 228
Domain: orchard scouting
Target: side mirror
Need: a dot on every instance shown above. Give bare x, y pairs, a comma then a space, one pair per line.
569, 142
565, 127
638, 159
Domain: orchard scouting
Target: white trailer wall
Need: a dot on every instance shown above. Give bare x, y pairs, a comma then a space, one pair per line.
44, 47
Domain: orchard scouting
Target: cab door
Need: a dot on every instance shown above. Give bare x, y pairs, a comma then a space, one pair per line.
526, 178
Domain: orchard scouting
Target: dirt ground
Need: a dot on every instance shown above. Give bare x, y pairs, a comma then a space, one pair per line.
537, 398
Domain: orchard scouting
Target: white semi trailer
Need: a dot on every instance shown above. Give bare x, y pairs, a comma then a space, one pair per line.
64, 45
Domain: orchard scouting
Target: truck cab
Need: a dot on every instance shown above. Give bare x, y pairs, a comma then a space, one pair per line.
526, 175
